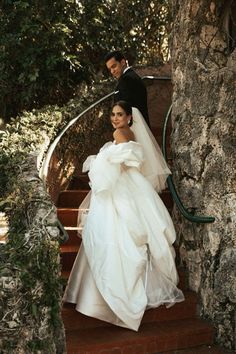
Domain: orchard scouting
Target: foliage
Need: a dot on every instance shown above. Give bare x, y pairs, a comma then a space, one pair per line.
30, 293
29, 262
47, 48
28, 131
30, 251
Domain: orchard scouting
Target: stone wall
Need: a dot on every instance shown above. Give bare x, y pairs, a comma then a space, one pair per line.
203, 144
30, 283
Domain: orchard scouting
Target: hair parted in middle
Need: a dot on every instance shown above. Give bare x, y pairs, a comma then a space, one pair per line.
126, 107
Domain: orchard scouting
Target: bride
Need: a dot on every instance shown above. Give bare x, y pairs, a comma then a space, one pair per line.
125, 264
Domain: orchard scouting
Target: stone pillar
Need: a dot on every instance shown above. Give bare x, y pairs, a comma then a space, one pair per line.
204, 151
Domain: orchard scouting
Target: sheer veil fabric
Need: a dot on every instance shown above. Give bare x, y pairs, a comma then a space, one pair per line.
154, 167
125, 264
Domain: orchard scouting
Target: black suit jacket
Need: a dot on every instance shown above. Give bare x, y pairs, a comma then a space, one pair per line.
131, 88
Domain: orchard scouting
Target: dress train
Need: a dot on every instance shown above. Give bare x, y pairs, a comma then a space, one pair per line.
126, 262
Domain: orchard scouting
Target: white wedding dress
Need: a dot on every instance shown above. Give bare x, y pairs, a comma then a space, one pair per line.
126, 261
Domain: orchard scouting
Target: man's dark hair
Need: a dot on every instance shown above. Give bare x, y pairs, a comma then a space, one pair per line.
115, 54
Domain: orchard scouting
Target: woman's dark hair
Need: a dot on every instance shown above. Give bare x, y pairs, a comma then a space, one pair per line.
126, 107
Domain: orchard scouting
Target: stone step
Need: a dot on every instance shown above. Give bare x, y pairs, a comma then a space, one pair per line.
185, 309
152, 337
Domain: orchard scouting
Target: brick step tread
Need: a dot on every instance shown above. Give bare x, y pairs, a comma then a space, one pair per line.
65, 274
70, 248
165, 193
69, 216
74, 239
203, 349
81, 180
77, 191
151, 338
75, 320
72, 198
67, 260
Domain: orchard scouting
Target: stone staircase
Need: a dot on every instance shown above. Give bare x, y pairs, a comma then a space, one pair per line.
162, 330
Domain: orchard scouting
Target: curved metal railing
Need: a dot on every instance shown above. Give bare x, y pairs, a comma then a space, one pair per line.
45, 165
185, 212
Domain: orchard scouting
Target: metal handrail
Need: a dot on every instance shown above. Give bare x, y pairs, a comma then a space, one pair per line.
160, 78
186, 213
44, 168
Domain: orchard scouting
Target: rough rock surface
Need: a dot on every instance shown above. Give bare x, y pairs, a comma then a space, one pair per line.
204, 149
30, 310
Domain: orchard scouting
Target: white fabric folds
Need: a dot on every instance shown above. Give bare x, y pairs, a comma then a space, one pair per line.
126, 262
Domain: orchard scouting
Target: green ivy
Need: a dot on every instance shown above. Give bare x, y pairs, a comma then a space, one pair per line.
31, 257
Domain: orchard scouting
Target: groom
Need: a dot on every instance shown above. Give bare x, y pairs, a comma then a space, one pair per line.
130, 86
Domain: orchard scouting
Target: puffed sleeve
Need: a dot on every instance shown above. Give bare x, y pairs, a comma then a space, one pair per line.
105, 167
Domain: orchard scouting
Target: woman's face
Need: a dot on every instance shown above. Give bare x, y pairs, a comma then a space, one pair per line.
119, 118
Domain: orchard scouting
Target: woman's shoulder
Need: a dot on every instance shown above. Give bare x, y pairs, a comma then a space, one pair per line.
122, 135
